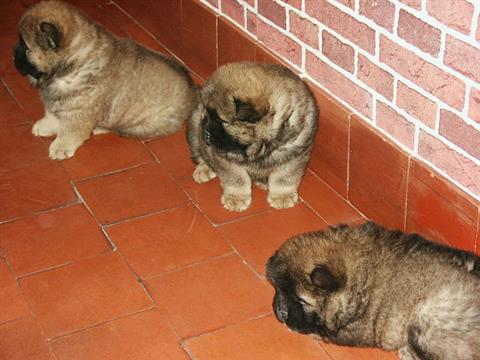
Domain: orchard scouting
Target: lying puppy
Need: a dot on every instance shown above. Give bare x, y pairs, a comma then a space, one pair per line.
90, 80
367, 286
257, 124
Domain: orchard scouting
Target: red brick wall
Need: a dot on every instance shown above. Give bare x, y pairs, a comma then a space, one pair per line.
411, 68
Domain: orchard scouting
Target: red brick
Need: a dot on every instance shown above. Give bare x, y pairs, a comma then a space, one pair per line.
478, 29
304, 29
463, 58
251, 22
458, 167
234, 10
214, 3
337, 51
416, 105
395, 124
273, 11
380, 11
456, 14
347, 26
474, 111
279, 43
339, 85
416, 4
460, 133
295, 3
419, 33
349, 3
375, 77
435, 81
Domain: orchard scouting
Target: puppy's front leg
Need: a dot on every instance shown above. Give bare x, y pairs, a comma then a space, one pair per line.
69, 138
283, 184
237, 189
46, 126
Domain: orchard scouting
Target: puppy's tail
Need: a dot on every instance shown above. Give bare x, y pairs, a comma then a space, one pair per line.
447, 326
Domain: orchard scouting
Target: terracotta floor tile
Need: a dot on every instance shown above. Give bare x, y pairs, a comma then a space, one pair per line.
207, 197
349, 353
168, 240
105, 153
172, 151
330, 153
33, 188
233, 44
23, 340
7, 43
141, 336
93, 10
199, 48
378, 176
10, 113
83, 294
136, 33
210, 295
11, 13
12, 303
162, 19
26, 95
259, 339
257, 237
131, 193
325, 201
438, 211
19, 148
51, 238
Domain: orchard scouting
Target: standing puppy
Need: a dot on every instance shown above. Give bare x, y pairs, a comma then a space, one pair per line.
367, 286
90, 80
257, 124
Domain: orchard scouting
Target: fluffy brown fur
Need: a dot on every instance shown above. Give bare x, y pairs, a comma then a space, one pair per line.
91, 81
367, 286
257, 124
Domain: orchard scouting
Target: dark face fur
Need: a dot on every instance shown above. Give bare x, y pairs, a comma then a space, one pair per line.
23, 65
47, 38
216, 130
289, 307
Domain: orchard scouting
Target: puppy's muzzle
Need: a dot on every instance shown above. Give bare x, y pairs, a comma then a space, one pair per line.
280, 308
21, 62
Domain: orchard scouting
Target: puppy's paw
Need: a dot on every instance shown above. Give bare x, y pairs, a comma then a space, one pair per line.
100, 131
203, 173
45, 127
62, 149
233, 202
282, 201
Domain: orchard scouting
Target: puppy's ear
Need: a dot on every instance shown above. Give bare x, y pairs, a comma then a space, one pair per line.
246, 112
49, 36
325, 280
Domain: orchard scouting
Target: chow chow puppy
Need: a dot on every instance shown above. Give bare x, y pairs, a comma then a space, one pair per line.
91, 81
367, 286
256, 123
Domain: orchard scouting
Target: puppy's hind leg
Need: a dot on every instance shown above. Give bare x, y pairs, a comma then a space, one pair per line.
46, 126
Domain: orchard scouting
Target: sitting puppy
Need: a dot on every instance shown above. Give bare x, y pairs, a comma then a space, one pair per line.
257, 123
367, 286
90, 80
